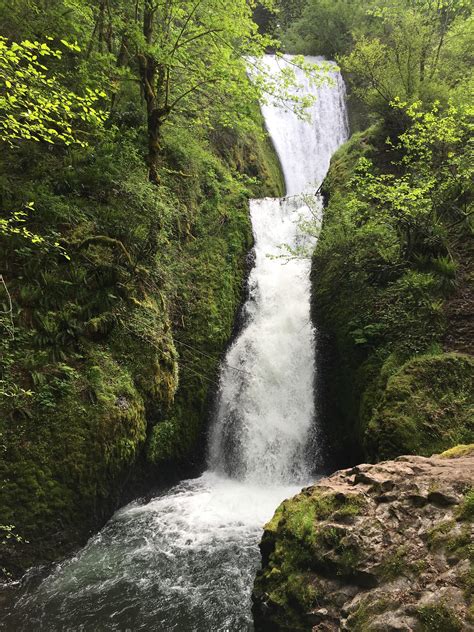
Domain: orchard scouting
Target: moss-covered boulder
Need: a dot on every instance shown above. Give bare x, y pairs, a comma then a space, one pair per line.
426, 407
373, 548
67, 454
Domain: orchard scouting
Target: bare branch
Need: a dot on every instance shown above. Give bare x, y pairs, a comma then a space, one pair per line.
185, 26
198, 36
192, 89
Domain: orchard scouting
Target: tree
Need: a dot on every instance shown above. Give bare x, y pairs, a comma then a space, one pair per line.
191, 59
36, 106
403, 55
186, 56
326, 27
289, 11
431, 189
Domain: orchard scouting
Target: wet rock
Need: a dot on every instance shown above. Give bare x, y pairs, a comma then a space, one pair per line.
384, 548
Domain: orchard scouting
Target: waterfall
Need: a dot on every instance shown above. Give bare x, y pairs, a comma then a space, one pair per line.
185, 561
266, 401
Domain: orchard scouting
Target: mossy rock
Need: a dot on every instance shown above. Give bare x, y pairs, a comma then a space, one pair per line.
361, 144
458, 450
372, 547
426, 408
438, 618
143, 341
306, 536
65, 460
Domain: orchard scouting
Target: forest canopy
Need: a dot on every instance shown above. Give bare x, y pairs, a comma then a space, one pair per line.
410, 49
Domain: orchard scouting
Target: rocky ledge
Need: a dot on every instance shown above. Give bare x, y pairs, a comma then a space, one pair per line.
374, 548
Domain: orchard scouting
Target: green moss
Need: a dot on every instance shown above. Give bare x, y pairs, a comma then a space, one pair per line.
438, 618
453, 536
426, 407
301, 590
352, 506
395, 565
254, 156
360, 620
143, 341
288, 586
466, 509
439, 534
301, 540
457, 451
62, 466
470, 614
298, 516
163, 443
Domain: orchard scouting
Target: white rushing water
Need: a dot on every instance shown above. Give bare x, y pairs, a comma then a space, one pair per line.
266, 409
186, 560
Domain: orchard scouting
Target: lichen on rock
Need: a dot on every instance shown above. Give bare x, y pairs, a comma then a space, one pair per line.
375, 547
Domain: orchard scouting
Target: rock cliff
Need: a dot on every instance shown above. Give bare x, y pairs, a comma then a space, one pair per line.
373, 548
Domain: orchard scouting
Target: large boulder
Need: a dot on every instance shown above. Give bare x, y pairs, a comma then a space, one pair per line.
373, 548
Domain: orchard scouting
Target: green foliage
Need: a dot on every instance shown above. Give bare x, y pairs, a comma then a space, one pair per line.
7, 532
390, 49
324, 27
16, 226
34, 104
129, 295
289, 11
426, 407
466, 510
432, 182
401, 54
384, 267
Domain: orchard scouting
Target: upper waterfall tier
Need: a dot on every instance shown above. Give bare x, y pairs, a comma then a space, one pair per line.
305, 146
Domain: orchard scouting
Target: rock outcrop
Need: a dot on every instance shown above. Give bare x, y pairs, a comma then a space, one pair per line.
374, 548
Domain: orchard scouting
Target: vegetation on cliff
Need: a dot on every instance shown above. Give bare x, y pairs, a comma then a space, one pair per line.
124, 229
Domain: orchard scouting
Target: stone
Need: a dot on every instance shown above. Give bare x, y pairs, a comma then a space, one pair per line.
377, 548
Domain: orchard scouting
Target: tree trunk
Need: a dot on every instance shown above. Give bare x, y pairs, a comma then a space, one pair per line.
153, 83
101, 22
154, 145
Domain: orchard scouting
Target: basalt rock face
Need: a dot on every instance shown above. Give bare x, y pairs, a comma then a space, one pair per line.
374, 548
